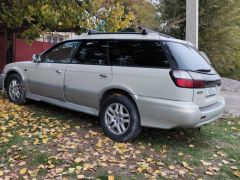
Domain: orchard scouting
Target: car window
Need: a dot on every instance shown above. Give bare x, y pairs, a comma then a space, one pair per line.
61, 53
137, 53
187, 57
92, 52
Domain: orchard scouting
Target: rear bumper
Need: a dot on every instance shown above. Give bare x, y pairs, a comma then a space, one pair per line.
167, 114
2, 79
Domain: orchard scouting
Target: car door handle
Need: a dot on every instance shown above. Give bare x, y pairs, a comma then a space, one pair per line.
103, 75
58, 71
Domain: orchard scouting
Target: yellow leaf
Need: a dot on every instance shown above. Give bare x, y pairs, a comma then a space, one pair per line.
186, 165
111, 177
23, 171
3, 128
171, 167
36, 142
121, 147
45, 140
1, 173
237, 173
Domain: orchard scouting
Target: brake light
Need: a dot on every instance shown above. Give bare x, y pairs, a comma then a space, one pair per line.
183, 79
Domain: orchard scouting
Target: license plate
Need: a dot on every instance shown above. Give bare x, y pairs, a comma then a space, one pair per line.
210, 92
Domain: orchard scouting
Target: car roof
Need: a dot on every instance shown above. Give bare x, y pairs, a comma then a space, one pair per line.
128, 36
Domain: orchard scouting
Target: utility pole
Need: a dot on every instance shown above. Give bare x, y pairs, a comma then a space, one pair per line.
192, 20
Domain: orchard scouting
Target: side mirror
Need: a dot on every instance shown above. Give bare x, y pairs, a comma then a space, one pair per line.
36, 58
205, 57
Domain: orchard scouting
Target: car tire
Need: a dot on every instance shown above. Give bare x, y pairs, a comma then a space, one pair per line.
15, 89
119, 118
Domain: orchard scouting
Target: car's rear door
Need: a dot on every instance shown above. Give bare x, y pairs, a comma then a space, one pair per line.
46, 78
88, 74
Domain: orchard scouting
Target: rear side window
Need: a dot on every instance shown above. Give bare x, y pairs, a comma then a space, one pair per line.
138, 53
92, 52
187, 57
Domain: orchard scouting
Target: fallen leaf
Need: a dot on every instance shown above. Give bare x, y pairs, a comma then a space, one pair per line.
180, 154
22, 163
23, 171
78, 160
111, 177
71, 170
45, 140
33, 173
234, 167
209, 173
121, 147
186, 165
149, 159
81, 176
36, 141
1, 173
157, 171
237, 173
221, 153
205, 163
225, 162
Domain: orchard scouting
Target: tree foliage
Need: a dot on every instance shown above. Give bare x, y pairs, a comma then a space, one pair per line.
145, 12
36, 17
219, 30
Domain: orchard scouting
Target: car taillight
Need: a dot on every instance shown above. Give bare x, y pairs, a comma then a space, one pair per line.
183, 79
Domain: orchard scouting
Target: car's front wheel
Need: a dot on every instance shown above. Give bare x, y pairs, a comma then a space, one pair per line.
15, 89
119, 118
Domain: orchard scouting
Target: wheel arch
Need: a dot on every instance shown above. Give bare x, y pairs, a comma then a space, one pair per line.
9, 73
117, 91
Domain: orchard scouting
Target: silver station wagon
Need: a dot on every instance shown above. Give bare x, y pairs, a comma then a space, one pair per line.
128, 80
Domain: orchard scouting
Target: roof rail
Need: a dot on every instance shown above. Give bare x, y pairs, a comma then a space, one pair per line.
93, 32
147, 30
144, 31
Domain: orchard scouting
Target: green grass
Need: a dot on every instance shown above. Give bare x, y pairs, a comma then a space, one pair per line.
38, 158
14, 140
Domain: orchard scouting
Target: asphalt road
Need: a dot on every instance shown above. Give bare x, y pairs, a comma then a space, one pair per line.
232, 103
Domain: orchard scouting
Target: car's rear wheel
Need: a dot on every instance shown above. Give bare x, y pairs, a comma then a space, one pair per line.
119, 118
15, 89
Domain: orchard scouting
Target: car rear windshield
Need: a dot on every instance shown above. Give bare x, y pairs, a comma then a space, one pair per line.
189, 58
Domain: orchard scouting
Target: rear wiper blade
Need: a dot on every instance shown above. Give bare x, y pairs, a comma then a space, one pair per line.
203, 70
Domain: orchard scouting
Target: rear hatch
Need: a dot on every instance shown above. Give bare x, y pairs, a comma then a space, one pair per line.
205, 80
